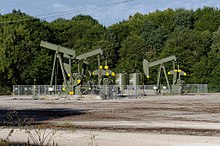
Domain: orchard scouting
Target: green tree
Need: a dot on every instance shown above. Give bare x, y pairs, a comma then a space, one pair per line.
121, 29
135, 24
214, 60
131, 54
19, 47
207, 18
154, 36
164, 18
183, 18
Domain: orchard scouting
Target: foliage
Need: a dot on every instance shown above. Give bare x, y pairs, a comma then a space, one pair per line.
213, 61
154, 36
133, 49
19, 48
207, 19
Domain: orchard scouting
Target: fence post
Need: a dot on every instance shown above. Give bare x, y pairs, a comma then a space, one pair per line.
127, 90
13, 93
206, 89
18, 90
45, 87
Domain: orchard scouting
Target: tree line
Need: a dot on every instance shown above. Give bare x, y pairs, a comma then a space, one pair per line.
193, 36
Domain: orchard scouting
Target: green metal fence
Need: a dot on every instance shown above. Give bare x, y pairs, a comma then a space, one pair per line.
105, 91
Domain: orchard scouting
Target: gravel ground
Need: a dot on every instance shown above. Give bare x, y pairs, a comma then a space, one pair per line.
195, 117
113, 138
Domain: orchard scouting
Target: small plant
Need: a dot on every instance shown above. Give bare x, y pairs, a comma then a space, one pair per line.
93, 139
14, 120
39, 135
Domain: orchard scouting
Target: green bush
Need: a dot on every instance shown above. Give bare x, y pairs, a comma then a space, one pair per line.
5, 91
214, 89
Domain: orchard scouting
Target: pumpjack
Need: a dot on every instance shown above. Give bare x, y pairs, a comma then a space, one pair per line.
147, 65
66, 58
103, 74
176, 82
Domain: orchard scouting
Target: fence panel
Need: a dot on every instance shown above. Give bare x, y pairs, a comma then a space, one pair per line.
106, 91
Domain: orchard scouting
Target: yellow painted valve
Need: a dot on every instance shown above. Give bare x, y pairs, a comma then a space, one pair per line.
71, 93
63, 88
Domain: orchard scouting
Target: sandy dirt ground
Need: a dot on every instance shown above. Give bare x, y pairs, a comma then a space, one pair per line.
151, 120
113, 138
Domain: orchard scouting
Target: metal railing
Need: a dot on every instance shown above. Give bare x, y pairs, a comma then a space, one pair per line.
189, 89
106, 91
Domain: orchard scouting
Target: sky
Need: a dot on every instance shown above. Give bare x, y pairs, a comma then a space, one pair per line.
106, 12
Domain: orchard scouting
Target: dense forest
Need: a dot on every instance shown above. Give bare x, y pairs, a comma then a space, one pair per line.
193, 36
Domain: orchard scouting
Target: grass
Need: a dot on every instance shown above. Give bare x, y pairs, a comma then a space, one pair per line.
66, 125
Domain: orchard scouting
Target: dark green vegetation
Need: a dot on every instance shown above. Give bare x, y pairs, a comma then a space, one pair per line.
192, 36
